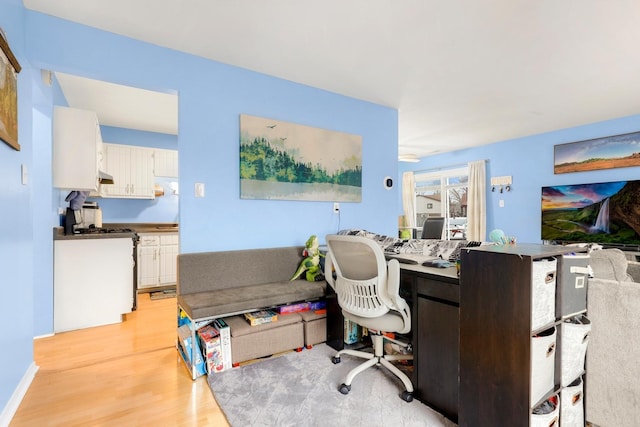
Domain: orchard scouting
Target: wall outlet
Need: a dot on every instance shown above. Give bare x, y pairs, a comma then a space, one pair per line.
336, 208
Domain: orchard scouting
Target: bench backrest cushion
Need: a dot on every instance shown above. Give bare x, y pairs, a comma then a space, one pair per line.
209, 271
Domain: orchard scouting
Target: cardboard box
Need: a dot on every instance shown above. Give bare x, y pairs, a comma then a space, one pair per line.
260, 317
351, 332
318, 305
211, 346
225, 342
193, 358
294, 308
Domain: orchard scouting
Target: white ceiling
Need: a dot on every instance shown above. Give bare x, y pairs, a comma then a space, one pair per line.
460, 72
122, 106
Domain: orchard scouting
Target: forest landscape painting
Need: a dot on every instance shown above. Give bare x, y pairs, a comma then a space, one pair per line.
606, 213
610, 152
288, 161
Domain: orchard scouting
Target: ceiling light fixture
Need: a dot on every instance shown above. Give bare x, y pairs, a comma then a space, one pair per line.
408, 158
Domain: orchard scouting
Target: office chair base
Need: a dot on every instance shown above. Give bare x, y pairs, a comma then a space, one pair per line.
377, 358
344, 389
406, 396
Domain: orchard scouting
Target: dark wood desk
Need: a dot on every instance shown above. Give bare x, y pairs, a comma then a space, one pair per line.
433, 295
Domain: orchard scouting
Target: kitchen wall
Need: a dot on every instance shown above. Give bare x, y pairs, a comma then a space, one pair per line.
530, 162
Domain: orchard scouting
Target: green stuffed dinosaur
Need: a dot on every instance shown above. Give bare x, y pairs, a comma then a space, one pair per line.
311, 264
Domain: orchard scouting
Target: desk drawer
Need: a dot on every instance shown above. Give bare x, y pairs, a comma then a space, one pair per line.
449, 292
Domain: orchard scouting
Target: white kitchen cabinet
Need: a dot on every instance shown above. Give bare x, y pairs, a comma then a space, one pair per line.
77, 149
93, 282
157, 259
132, 171
165, 162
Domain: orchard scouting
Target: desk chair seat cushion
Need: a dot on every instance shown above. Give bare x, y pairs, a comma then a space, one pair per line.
389, 322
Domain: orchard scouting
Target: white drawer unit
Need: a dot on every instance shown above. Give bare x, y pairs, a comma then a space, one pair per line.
157, 259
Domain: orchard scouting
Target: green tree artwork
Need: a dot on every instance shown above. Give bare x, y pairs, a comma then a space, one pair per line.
286, 161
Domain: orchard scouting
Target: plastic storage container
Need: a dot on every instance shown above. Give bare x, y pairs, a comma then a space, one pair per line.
572, 404
571, 296
543, 351
575, 339
546, 414
543, 292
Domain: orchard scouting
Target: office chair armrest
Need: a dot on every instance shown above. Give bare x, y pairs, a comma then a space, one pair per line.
393, 283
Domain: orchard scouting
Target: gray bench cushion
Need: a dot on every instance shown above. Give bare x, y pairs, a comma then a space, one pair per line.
222, 302
210, 271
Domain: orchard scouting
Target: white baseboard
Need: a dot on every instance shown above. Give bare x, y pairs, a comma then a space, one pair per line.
43, 336
12, 405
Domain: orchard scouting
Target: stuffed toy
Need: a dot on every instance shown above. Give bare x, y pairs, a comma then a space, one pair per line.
311, 263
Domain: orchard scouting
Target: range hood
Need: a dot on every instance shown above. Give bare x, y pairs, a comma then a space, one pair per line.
104, 178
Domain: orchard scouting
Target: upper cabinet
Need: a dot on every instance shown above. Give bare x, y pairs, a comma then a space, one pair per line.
77, 149
132, 171
165, 162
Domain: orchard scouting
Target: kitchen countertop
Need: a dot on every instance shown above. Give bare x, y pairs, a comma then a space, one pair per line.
58, 234
156, 228
146, 227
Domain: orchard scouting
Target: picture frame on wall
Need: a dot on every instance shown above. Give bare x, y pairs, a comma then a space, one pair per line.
618, 151
288, 161
9, 69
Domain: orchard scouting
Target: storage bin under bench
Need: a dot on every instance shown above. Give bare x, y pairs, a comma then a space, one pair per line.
249, 342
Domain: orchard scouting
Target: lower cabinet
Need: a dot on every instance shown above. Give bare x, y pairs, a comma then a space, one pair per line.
436, 337
157, 260
87, 292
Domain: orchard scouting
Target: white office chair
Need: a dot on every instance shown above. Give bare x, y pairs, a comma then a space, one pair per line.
368, 294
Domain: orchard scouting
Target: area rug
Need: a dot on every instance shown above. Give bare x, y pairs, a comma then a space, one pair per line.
302, 389
167, 293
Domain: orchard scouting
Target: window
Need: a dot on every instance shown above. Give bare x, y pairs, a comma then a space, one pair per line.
443, 193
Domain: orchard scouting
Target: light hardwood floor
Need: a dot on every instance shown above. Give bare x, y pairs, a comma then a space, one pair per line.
128, 374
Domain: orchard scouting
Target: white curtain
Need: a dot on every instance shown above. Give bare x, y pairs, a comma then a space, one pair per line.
476, 202
409, 198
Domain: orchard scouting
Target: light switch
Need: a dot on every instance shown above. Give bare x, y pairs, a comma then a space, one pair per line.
501, 203
199, 189
24, 175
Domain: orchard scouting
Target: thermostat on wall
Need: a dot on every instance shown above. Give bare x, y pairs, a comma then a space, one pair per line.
388, 182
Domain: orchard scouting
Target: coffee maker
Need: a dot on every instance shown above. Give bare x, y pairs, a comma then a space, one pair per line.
73, 217
72, 220
91, 215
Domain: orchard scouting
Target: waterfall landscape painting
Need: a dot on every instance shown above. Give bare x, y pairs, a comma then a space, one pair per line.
606, 213
287, 161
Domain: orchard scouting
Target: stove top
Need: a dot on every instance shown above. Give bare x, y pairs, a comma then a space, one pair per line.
96, 230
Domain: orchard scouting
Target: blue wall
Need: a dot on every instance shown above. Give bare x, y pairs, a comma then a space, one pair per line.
211, 98
17, 229
530, 162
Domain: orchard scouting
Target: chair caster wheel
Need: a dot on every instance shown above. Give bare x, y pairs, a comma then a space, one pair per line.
335, 359
406, 396
344, 389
